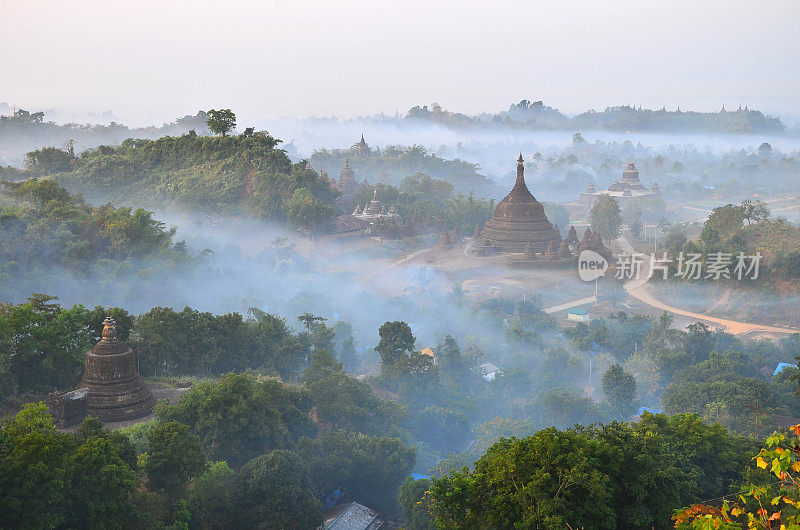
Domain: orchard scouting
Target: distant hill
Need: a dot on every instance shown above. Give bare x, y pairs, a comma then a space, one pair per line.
25, 131
537, 115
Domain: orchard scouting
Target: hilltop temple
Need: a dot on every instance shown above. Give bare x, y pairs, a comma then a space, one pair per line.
116, 392
519, 221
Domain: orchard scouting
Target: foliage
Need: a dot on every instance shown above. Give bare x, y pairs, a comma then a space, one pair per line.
605, 217
444, 429
33, 470
620, 389
174, 456
28, 130
364, 468
343, 402
227, 174
46, 230
743, 404
240, 417
191, 342
49, 160
395, 344
50, 479
759, 506
221, 121
413, 168
42, 345
708, 452
211, 496
415, 501
275, 491
601, 478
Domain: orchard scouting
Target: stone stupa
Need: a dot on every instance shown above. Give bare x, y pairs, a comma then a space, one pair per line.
519, 219
110, 372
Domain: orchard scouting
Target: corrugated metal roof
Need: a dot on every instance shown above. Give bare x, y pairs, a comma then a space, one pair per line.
351, 516
350, 223
486, 368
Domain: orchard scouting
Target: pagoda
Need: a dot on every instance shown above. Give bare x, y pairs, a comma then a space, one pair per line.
361, 148
628, 187
110, 372
519, 220
347, 180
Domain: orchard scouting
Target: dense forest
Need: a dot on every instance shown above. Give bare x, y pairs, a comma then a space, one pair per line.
393, 163
294, 431
248, 175
46, 232
237, 174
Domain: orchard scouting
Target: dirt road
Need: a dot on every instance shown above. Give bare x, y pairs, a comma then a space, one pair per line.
637, 288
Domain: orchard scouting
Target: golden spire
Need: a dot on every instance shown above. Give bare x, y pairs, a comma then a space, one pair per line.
109, 329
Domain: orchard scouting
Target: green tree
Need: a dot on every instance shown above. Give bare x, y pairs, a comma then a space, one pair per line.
707, 451
346, 403
239, 417
33, 470
306, 211
761, 505
43, 344
397, 341
605, 217
725, 221
101, 485
445, 429
599, 477
545, 481
698, 341
275, 491
211, 496
221, 121
175, 455
455, 367
364, 468
620, 389
415, 502
49, 160
755, 211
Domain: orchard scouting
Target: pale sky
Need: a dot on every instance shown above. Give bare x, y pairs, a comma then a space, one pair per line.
157, 60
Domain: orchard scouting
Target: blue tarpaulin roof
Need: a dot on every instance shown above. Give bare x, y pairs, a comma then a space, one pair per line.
783, 366
650, 410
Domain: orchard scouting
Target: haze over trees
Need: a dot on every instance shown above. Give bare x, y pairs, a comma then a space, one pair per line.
605, 217
294, 407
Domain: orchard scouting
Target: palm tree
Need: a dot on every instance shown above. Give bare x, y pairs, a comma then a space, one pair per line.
662, 331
